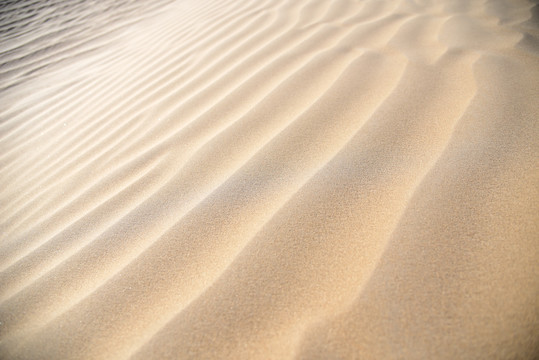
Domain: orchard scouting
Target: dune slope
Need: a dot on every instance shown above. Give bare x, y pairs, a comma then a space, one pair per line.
272, 179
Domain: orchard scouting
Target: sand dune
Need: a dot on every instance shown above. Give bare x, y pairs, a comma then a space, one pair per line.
269, 179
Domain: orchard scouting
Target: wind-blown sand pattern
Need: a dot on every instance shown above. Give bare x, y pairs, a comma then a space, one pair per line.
269, 179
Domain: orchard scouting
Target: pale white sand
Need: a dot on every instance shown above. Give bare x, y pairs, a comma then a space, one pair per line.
269, 179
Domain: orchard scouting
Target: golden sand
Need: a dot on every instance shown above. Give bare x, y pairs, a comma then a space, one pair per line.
269, 179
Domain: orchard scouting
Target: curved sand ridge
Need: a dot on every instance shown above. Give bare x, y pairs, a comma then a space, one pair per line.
269, 179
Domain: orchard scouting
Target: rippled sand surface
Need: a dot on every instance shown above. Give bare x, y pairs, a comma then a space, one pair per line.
269, 179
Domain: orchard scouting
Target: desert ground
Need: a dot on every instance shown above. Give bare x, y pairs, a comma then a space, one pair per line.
269, 179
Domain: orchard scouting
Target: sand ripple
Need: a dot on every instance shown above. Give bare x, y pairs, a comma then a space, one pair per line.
269, 179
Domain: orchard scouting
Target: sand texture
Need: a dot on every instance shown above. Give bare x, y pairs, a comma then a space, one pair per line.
269, 179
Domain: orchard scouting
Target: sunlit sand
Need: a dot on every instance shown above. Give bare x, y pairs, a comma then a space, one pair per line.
269, 179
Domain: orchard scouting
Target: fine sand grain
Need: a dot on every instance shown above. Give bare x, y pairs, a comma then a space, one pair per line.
269, 179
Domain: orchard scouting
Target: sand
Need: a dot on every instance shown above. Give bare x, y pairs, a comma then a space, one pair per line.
269, 179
